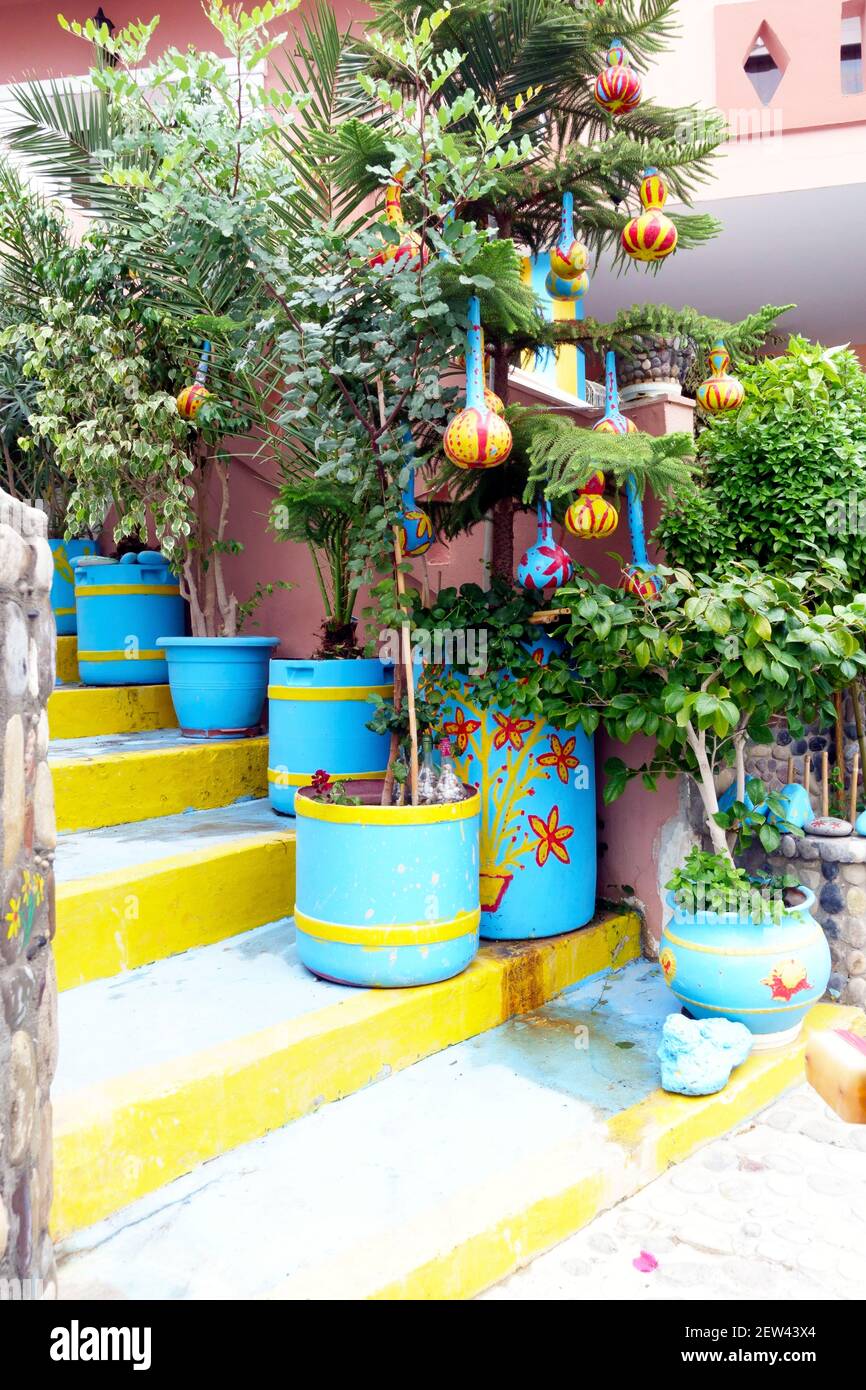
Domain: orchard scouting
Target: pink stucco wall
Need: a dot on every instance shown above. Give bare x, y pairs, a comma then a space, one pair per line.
804, 39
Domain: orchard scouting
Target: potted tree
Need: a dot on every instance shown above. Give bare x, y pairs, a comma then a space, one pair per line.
699, 670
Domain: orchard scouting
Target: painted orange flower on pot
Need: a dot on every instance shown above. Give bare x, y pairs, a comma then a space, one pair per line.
551, 838
460, 728
668, 963
511, 731
787, 978
561, 756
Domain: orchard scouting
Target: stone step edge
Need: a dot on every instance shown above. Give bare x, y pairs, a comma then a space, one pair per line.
113, 922
84, 711
67, 659
120, 1140
114, 788
484, 1234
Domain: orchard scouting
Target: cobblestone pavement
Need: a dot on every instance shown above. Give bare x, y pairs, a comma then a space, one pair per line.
776, 1209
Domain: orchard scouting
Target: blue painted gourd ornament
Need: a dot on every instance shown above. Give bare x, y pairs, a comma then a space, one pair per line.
619, 87
413, 523
191, 398
477, 437
568, 291
720, 393
612, 421
640, 577
652, 236
544, 565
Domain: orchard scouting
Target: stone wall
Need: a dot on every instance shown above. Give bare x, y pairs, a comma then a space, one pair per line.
28, 989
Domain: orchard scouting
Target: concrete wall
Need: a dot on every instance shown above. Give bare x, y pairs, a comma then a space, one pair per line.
28, 989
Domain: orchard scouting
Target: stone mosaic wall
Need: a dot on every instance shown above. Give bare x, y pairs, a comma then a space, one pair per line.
769, 761
28, 989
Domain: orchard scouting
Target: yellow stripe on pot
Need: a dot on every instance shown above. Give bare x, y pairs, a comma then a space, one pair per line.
727, 1009
306, 807
327, 692
63, 612
130, 655
405, 934
133, 1134
116, 590
741, 950
302, 779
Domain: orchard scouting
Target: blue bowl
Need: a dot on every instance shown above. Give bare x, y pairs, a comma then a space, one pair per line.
218, 684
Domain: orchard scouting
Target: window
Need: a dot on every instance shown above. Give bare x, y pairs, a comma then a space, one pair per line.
765, 65
851, 50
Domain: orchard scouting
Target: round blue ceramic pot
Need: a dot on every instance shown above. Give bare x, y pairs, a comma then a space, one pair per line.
538, 817
63, 583
724, 965
122, 609
218, 684
386, 895
317, 715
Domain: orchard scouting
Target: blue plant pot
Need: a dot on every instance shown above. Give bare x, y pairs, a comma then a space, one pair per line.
218, 684
386, 896
63, 583
318, 711
768, 976
122, 609
538, 821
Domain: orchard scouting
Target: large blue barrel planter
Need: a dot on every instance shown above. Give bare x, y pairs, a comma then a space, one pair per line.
317, 712
767, 976
123, 609
218, 684
63, 583
387, 896
538, 818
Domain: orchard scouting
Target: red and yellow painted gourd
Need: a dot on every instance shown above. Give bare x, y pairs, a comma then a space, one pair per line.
590, 517
409, 246
618, 89
643, 582
569, 257
652, 236
721, 392
478, 436
191, 398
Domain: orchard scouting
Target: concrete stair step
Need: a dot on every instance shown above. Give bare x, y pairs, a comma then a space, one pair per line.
113, 778
442, 1180
183, 1060
135, 893
67, 659
84, 711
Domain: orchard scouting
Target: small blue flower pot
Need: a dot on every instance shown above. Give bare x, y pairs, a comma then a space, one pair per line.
387, 896
63, 583
318, 716
218, 684
767, 975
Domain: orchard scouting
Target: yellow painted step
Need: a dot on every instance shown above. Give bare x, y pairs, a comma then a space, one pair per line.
81, 711
130, 1135
464, 1245
67, 659
115, 921
136, 777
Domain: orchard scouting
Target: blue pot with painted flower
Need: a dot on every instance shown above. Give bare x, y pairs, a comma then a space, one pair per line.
63, 584
766, 975
387, 896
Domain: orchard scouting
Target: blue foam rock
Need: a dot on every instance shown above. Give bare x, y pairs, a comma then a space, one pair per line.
698, 1055
860, 823
799, 808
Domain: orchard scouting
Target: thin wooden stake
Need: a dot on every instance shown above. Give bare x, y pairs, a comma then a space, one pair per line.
789, 776
855, 777
825, 783
854, 692
807, 776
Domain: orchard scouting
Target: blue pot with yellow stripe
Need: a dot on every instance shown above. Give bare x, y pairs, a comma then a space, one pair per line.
387, 896
63, 584
218, 683
765, 975
318, 711
122, 609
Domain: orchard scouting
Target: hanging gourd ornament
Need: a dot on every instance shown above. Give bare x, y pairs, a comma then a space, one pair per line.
414, 525
720, 392
544, 565
594, 486
652, 235
477, 437
410, 244
619, 87
569, 291
643, 583
191, 398
612, 421
569, 257
591, 517
640, 577
493, 402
